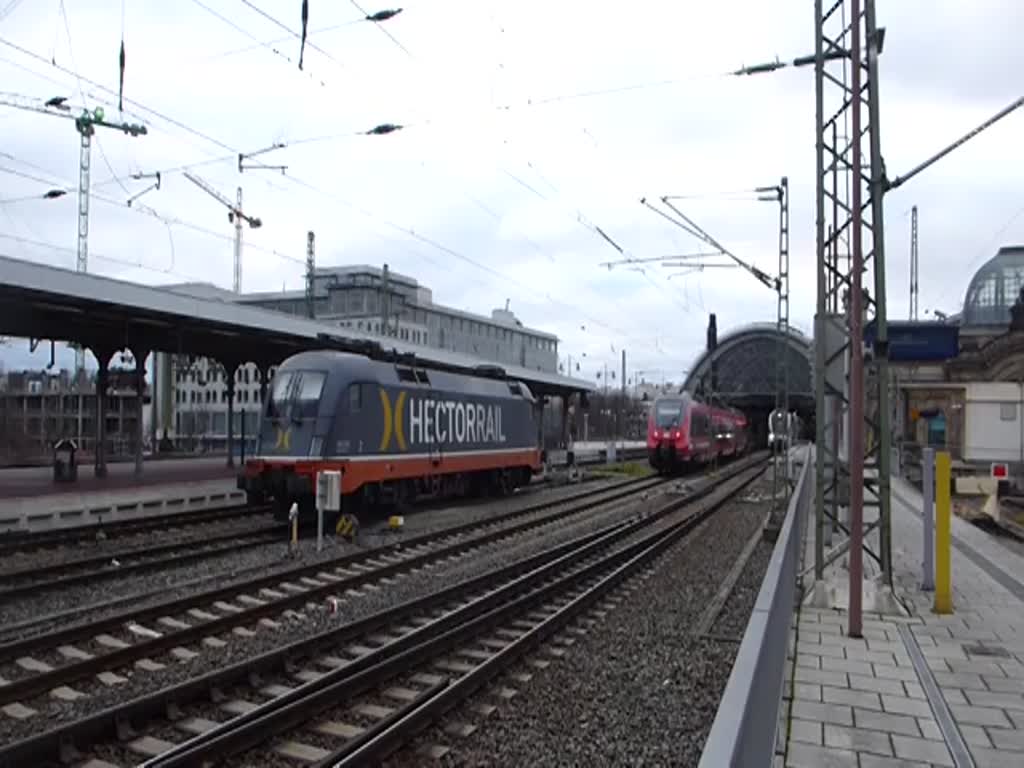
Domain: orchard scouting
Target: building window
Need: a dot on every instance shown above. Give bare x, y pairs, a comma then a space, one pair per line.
1008, 411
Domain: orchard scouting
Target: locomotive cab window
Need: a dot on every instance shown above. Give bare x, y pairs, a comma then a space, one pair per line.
355, 398
295, 394
668, 414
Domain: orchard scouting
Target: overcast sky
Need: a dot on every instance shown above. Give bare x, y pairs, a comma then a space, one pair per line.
522, 129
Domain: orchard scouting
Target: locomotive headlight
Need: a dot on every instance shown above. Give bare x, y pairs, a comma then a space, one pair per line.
677, 435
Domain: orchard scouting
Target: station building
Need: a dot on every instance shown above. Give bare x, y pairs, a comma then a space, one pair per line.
959, 382
38, 408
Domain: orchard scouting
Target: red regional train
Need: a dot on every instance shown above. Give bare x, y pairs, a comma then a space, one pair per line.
683, 432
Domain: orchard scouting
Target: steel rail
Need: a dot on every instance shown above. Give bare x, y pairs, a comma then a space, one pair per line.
99, 567
30, 541
402, 655
42, 682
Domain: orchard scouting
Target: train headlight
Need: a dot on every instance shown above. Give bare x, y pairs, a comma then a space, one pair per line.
677, 435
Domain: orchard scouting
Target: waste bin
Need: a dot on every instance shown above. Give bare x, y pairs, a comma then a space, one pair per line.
65, 467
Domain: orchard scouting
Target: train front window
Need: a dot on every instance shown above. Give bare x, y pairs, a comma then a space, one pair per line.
668, 414
295, 394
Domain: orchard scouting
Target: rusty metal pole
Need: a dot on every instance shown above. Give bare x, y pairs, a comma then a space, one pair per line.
856, 340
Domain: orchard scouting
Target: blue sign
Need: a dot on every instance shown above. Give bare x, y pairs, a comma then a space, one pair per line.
913, 342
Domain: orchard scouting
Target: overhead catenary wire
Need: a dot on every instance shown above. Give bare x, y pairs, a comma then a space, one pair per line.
100, 257
149, 211
297, 35
377, 24
210, 139
241, 30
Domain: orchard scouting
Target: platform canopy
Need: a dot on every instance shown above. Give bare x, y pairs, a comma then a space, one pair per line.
101, 313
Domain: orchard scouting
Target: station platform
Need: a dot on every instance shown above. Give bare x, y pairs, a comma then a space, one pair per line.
35, 481
30, 499
919, 689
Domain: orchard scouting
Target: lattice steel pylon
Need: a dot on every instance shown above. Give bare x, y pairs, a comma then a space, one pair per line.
849, 203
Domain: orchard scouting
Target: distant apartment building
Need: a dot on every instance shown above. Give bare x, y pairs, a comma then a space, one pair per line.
192, 394
38, 408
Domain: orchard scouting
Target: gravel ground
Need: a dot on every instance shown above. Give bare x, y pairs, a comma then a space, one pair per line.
171, 583
637, 688
732, 621
99, 545
313, 620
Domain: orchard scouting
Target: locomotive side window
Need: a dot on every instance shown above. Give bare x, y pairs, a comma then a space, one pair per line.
355, 398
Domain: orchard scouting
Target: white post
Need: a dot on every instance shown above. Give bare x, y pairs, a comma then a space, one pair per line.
928, 517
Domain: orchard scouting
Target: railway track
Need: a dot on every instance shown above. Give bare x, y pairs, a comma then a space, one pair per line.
35, 665
38, 578
384, 668
32, 541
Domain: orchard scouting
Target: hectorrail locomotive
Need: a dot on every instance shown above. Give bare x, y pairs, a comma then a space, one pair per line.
394, 431
683, 431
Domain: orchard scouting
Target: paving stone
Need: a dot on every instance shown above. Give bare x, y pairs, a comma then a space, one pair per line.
837, 714
876, 684
901, 705
975, 736
1005, 739
881, 721
864, 699
876, 761
991, 758
986, 716
858, 740
1001, 700
810, 756
836, 679
924, 750
807, 691
807, 731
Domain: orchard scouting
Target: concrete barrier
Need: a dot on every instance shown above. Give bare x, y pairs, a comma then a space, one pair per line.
746, 728
39, 513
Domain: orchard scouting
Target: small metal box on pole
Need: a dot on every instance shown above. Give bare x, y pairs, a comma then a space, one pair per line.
928, 517
328, 499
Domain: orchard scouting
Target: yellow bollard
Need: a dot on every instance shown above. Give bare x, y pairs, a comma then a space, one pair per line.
943, 535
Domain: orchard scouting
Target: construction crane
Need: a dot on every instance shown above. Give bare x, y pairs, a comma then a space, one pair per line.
914, 290
86, 124
236, 216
